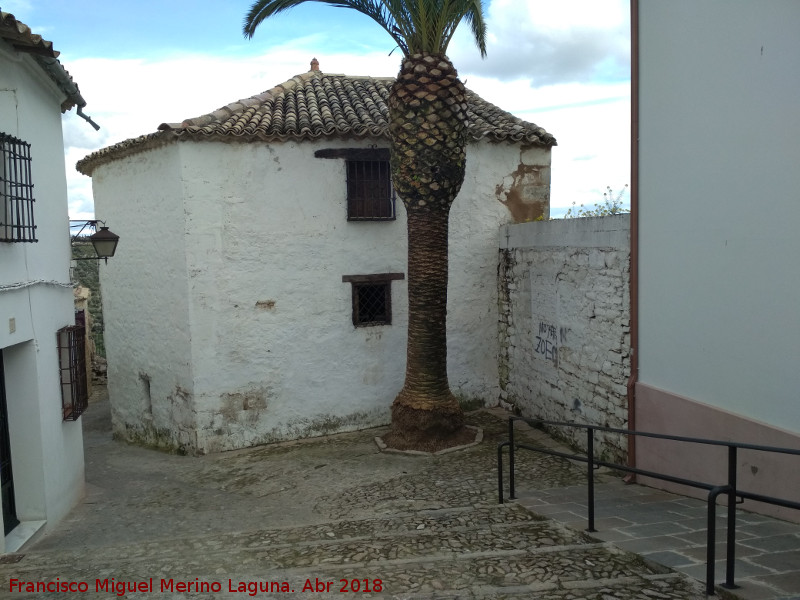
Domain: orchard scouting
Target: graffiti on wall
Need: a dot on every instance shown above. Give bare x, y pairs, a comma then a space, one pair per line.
549, 339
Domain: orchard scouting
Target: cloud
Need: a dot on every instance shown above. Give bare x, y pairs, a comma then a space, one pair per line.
565, 66
601, 131
132, 97
547, 43
79, 134
562, 65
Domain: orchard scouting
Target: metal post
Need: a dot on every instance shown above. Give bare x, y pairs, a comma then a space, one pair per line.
711, 539
590, 475
511, 483
711, 535
731, 553
500, 472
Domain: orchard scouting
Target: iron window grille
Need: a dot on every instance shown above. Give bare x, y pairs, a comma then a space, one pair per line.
370, 194
71, 343
372, 298
16, 191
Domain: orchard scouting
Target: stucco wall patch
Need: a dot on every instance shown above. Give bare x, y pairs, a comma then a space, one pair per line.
244, 406
526, 191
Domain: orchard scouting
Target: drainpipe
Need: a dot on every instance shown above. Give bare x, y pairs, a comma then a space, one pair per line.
63, 80
634, 252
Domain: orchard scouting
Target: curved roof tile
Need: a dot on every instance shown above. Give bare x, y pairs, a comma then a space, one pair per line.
22, 39
315, 105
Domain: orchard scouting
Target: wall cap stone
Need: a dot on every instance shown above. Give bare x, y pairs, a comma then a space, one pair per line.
585, 232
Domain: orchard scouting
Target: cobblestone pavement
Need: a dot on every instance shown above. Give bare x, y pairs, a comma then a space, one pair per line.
304, 519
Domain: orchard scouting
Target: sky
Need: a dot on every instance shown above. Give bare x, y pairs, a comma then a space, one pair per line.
562, 64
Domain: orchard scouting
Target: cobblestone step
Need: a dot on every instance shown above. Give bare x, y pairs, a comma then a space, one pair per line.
546, 575
330, 512
484, 552
560, 572
445, 531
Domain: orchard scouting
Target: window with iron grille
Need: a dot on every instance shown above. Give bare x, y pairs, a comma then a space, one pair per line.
16, 191
372, 298
71, 343
370, 195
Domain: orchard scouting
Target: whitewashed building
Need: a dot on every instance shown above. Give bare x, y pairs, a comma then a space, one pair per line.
41, 445
262, 294
717, 245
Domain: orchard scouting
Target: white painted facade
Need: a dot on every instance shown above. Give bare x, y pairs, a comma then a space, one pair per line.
719, 212
719, 204
227, 320
35, 301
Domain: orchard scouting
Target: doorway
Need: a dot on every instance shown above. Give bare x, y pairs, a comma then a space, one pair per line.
10, 520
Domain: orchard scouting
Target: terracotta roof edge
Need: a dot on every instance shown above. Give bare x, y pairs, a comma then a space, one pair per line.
310, 118
90, 162
24, 35
20, 35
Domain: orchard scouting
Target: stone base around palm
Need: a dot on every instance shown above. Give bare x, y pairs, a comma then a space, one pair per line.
466, 437
425, 420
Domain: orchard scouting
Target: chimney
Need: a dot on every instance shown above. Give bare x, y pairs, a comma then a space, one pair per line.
314, 64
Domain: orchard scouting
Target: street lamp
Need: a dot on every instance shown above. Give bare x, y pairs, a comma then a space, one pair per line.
104, 241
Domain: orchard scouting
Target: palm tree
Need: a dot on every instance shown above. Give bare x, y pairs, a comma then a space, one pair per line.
427, 126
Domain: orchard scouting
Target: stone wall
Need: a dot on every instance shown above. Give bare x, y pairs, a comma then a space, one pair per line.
565, 324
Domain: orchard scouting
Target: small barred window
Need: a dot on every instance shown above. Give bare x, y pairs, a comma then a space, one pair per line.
370, 195
72, 366
372, 304
16, 191
372, 298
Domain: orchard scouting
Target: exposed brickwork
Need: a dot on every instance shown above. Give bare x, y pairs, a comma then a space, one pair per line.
565, 324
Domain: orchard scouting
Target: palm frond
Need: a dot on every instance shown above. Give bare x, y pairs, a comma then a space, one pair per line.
470, 11
415, 25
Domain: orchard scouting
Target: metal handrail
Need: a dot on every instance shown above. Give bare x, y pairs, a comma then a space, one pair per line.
714, 490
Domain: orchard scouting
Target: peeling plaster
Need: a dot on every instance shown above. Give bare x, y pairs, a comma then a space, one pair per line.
245, 406
526, 191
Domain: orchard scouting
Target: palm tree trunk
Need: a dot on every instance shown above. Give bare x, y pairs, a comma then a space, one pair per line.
427, 123
426, 408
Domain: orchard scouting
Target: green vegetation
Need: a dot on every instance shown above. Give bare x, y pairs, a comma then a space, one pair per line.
87, 274
611, 205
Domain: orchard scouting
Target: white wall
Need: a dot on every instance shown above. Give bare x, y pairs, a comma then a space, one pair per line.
47, 453
145, 299
719, 206
273, 229
273, 351
31, 111
497, 175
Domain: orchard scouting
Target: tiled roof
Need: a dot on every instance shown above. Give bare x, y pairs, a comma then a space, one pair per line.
22, 39
20, 36
311, 106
